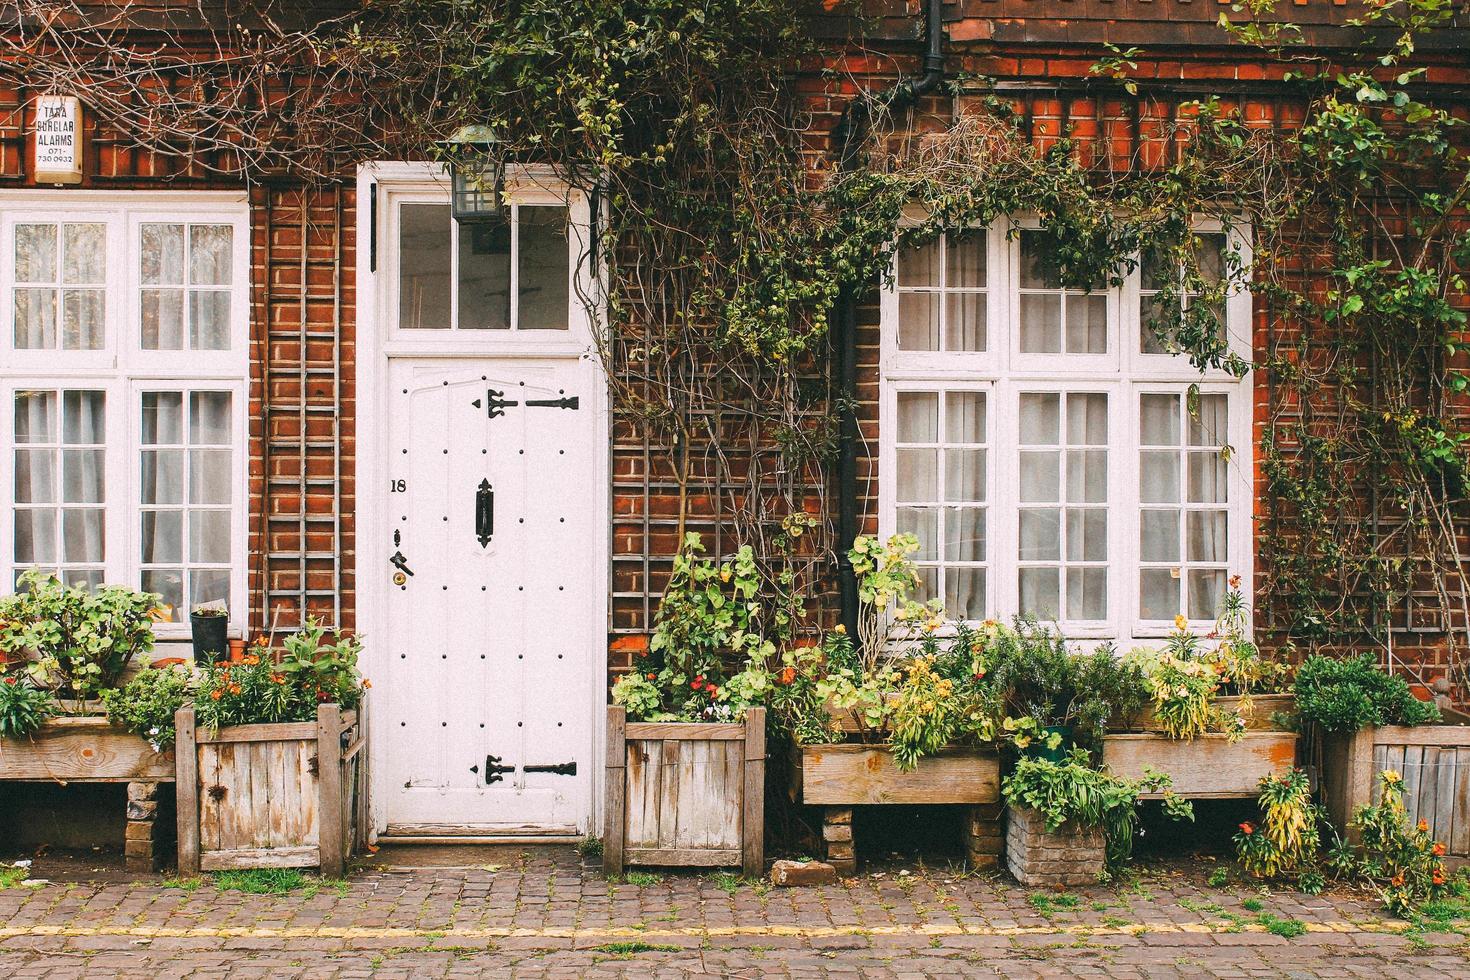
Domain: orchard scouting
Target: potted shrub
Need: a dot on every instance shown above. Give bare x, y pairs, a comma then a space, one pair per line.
686, 732
1214, 720
1368, 722
66, 649
209, 627
270, 772
1068, 823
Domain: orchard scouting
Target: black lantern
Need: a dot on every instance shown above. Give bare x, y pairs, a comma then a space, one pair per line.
477, 176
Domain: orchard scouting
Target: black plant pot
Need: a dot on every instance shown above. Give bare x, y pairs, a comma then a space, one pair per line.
211, 642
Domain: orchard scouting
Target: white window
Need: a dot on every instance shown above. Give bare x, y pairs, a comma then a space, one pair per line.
122, 393
1053, 457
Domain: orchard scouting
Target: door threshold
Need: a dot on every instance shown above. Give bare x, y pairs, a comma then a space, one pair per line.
471, 838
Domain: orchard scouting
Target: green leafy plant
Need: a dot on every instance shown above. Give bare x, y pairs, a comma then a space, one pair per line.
77, 642
1345, 695
1287, 839
146, 705
24, 708
1402, 861
1071, 790
317, 666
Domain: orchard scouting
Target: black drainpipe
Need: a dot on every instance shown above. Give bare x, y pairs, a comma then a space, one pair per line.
848, 137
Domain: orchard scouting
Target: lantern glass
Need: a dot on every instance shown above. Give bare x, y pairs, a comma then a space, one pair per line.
477, 186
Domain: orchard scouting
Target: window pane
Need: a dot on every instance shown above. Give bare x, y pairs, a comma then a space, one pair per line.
209, 536
1039, 593
35, 537
928, 587
84, 254
1041, 419
1041, 323
209, 319
209, 476
163, 319
1158, 478
1087, 534
209, 418
1041, 477
1087, 476
1206, 593
964, 417
35, 253
484, 275
919, 266
1159, 420
964, 321
918, 321
964, 474
1087, 593
35, 476
423, 267
208, 585
163, 418
163, 536
162, 477
169, 584
82, 476
918, 416
1034, 273
918, 475
1210, 254
211, 254
545, 266
964, 593
1159, 535
1206, 536
1209, 426
81, 536
162, 258
35, 319
1208, 474
1087, 419
1087, 324
1041, 535
922, 523
964, 259
35, 416
964, 534
85, 418
1158, 596
81, 319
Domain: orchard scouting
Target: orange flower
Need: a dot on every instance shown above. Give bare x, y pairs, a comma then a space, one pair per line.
1397, 880
216, 694
367, 685
277, 679
1235, 581
1423, 826
788, 675
234, 688
1439, 876
250, 660
1247, 828
1438, 849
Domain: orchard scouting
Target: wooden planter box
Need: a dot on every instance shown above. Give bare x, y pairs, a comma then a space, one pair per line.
1207, 767
685, 794
90, 749
1435, 763
1262, 708
290, 795
840, 776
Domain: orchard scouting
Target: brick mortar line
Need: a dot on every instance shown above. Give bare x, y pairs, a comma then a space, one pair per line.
629, 932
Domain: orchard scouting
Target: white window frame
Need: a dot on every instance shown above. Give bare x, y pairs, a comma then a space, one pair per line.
123, 369
1124, 373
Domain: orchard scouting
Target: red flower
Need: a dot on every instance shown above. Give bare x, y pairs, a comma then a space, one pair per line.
11, 681
1247, 828
694, 685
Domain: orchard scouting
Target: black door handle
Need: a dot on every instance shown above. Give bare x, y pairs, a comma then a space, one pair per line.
484, 513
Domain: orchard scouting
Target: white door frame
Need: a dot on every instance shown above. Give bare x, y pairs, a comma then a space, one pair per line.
375, 347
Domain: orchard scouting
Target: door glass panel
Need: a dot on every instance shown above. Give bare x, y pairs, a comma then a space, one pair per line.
423, 266
545, 266
484, 275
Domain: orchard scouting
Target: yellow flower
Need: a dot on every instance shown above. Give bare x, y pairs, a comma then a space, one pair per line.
1180, 623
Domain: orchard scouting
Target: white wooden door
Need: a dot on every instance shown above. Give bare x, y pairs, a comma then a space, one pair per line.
493, 598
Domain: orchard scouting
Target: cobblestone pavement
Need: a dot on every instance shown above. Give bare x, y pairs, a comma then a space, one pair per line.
540, 914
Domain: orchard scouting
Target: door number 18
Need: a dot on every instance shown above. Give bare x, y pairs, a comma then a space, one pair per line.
397, 486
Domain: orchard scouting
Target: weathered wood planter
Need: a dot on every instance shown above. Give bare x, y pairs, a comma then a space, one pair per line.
1434, 761
90, 749
1209, 766
840, 776
685, 794
290, 795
